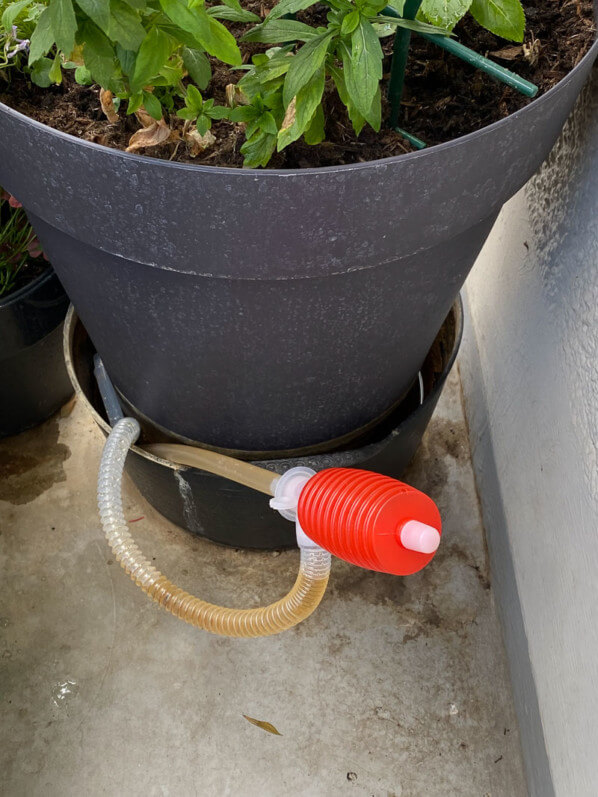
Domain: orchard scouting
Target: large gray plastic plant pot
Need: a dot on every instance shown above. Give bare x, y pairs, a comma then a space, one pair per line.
266, 309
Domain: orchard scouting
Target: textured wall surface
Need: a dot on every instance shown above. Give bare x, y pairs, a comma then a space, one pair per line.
530, 371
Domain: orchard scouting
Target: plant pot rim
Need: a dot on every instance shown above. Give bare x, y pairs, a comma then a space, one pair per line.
251, 173
15, 296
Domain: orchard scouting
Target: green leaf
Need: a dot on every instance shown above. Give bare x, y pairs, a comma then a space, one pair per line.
126, 59
203, 124
55, 73
374, 115
198, 66
64, 24
363, 66
12, 12
316, 130
357, 120
152, 105
218, 112
42, 38
305, 64
504, 18
350, 22
267, 71
289, 7
178, 34
96, 10
258, 149
125, 25
279, 31
186, 113
98, 54
40, 72
83, 76
135, 102
267, 123
243, 113
220, 42
306, 103
212, 36
194, 100
445, 13
233, 14
169, 76
152, 55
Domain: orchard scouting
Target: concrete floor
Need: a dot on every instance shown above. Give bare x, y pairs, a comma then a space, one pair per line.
394, 687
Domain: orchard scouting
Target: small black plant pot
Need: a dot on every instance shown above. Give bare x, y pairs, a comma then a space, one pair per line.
33, 379
270, 309
231, 514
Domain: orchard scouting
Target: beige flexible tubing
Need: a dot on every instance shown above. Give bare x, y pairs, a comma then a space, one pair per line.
245, 473
298, 604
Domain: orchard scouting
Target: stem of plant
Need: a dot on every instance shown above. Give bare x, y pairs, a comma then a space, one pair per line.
400, 54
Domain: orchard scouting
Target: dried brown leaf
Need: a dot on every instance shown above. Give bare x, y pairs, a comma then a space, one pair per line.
508, 53
289, 117
265, 726
107, 103
144, 118
235, 96
198, 143
532, 50
151, 136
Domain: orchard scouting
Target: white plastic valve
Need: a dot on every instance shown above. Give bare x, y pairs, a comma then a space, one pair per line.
420, 537
288, 489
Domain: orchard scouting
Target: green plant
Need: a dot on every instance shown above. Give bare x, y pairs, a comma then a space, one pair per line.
199, 111
18, 244
125, 46
153, 55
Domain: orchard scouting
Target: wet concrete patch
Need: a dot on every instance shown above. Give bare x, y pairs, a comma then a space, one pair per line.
31, 463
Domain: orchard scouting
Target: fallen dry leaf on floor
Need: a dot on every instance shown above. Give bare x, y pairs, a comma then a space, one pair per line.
107, 103
150, 136
265, 726
198, 143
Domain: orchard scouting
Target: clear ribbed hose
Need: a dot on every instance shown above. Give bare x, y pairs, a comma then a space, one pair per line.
300, 602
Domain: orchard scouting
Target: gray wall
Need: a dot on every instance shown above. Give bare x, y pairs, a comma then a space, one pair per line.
530, 374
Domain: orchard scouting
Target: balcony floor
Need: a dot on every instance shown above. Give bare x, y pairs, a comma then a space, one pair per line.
394, 687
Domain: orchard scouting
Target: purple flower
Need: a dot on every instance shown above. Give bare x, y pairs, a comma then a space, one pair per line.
22, 44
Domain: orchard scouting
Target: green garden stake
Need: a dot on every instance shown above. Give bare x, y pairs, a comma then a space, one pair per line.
485, 64
452, 46
400, 54
417, 142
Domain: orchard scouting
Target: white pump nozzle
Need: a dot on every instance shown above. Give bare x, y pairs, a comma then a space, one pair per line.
420, 537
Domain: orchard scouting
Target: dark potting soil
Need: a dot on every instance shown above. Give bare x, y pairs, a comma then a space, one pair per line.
444, 97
